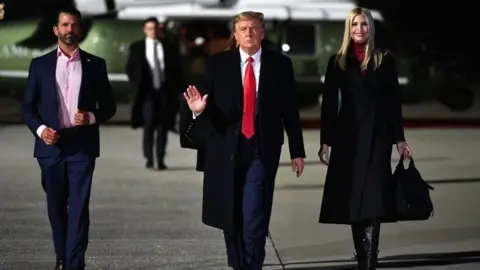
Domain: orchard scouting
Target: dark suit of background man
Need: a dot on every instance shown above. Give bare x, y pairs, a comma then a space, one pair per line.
154, 70
240, 129
67, 96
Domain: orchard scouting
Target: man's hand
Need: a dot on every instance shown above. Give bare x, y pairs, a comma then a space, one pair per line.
81, 118
195, 101
50, 136
297, 166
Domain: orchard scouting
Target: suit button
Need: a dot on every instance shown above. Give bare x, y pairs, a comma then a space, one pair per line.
231, 157
236, 132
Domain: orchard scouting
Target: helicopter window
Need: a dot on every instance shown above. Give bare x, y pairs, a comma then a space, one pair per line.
301, 39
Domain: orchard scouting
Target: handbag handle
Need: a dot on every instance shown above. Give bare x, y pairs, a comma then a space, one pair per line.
411, 164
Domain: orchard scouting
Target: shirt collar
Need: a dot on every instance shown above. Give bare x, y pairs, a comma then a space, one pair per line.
75, 53
151, 40
256, 57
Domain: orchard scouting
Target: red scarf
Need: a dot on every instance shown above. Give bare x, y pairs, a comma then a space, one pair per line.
359, 50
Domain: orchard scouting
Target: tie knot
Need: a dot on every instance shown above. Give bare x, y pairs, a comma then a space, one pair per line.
250, 60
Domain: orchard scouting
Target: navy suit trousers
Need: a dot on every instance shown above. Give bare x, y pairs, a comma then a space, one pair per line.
67, 181
246, 247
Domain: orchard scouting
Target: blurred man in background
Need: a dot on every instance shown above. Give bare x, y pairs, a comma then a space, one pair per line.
155, 73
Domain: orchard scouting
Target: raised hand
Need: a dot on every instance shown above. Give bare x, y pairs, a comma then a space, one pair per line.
2, 11
195, 101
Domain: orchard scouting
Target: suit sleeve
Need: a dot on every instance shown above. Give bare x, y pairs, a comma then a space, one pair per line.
130, 66
198, 130
184, 123
31, 97
397, 118
329, 107
107, 106
291, 114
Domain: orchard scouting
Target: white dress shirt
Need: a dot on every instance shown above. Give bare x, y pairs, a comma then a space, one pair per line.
149, 52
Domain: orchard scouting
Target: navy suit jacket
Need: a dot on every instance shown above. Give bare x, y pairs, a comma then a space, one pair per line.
40, 105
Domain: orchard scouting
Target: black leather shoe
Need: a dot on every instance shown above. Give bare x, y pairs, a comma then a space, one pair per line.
162, 167
149, 165
60, 265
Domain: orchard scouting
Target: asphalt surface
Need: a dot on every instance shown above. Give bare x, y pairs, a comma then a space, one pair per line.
144, 219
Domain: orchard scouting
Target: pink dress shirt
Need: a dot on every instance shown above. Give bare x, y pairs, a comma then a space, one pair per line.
68, 78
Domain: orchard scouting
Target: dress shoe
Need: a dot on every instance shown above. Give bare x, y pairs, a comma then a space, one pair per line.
162, 167
60, 265
149, 165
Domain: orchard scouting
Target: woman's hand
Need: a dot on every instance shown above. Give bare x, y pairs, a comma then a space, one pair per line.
324, 154
404, 150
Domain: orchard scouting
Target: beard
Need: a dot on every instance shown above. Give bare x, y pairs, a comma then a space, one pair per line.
69, 39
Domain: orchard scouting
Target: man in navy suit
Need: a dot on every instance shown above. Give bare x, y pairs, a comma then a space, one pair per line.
67, 96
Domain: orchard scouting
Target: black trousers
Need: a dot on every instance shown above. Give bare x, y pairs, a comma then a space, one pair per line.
155, 129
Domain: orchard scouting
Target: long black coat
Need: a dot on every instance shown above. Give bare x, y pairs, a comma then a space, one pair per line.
141, 80
216, 131
361, 133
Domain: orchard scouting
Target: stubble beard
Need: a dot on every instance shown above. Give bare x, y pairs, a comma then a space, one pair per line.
69, 39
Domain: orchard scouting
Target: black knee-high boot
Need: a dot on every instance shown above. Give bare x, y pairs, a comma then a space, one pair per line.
357, 233
366, 239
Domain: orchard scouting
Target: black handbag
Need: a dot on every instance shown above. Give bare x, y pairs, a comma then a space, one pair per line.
412, 193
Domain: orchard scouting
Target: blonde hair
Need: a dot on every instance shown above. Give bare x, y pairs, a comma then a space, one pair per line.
370, 50
246, 15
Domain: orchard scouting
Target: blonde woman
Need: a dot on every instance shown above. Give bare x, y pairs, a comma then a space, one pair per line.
357, 136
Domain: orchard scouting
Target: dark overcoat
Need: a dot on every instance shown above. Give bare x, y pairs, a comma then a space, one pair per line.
215, 133
361, 133
141, 80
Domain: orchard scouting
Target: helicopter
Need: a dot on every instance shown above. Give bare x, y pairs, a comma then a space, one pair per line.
307, 31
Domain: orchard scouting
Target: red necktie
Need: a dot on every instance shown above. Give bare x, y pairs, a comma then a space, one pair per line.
249, 96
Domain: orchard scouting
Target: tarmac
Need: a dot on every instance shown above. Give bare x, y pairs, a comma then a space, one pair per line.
142, 219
